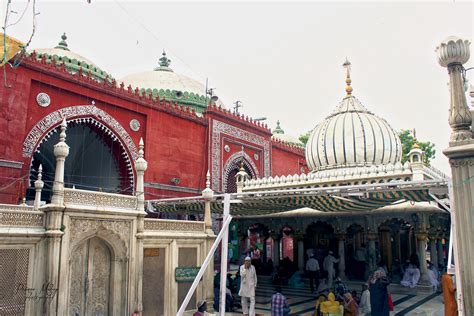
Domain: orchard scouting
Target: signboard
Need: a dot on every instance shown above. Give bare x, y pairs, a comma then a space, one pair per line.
151, 252
186, 274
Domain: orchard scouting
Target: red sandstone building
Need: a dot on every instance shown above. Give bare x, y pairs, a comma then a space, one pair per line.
185, 132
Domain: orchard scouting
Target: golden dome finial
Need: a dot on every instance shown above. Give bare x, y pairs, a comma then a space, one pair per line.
415, 141
347, 67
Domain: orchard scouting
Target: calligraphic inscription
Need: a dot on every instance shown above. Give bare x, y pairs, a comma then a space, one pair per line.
151, 252
186, 274
46, 292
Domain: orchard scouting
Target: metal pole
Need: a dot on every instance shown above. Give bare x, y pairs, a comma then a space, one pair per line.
224, 252
204, 266
453, 250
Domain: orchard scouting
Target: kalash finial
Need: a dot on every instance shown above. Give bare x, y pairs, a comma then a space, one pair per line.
415, 141
62, 44
347, 67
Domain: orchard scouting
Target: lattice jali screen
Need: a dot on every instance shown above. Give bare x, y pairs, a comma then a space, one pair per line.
13, 280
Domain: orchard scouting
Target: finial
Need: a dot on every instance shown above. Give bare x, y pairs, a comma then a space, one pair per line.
415, 141
141, 145
62, 44
62, 135
164, 61
208, 180
347, 67
40, 172
242, 166
278, 129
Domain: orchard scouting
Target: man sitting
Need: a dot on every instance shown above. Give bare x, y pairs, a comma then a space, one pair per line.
411, 276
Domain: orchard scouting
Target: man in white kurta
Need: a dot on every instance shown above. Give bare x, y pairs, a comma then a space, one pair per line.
248, 283
328, 265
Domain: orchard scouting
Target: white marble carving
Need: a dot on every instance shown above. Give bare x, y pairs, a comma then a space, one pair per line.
43, 99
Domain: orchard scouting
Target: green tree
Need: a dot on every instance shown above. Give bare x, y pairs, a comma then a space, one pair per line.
304, 138
407, 139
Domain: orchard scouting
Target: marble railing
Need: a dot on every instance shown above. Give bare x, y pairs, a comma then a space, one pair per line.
20, 216
99, 199
173, 225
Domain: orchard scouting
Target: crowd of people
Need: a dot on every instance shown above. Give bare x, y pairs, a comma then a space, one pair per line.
333, 296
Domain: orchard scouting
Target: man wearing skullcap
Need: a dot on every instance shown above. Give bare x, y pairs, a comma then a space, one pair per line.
248, 283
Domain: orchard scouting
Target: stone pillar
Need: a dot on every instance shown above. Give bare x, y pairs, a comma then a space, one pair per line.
433, 251
61, 151
276, 249
372, 264
39, 184
140, 167
440, 254
453, 53
208, 195
208, 285
54, 220
342, 259
422, 242
300, 244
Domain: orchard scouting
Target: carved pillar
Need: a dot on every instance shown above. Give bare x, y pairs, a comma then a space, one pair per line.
453, 53
61, 151
208, 285
440, 253
53, 234
342, 259
276, 249
140, 167
208, 195
433, 251
422, 242
300, 252
372, 255
39, 184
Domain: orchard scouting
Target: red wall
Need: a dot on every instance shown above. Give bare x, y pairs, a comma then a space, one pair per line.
176, 141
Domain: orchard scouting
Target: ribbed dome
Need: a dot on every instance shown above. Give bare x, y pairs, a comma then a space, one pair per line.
164, 82
352, 136
72, 61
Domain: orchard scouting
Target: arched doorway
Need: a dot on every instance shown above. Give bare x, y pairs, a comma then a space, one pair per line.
320, 239
232, 167
90, 279
397, 243
355, 252
96, 160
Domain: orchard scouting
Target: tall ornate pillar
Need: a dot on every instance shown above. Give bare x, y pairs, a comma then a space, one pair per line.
39, 184
276, 249
140, 167
342, 259
372, 254
422, 237
433, 251
452, 53
208, 284
54, 220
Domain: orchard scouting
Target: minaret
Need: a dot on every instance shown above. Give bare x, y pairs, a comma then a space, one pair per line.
61, 151
39, 184
208, 194
416, 159
140, 166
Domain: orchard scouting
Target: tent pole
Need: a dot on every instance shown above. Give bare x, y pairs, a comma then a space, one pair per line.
224, 252
205, 264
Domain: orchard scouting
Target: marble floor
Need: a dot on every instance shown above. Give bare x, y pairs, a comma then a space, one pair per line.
302, 301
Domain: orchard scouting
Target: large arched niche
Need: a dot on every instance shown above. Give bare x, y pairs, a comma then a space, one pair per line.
97, 159
231, 168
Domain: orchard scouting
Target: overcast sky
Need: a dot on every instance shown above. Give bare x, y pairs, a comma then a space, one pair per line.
282, 60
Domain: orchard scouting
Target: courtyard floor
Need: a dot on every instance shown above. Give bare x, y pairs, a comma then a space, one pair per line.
302, 301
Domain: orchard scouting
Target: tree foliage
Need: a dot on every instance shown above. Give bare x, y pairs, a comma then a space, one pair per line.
407, 139
304, 138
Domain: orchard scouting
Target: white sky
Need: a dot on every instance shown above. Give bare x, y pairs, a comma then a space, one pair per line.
282, 60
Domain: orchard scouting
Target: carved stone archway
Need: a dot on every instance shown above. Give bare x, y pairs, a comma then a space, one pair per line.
233, 163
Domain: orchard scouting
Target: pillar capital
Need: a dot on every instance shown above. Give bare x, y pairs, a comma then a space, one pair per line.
275, 236
340, 236
372, 236
422, 235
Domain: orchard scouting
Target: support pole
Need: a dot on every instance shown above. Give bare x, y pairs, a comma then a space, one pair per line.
224, 252
205, 264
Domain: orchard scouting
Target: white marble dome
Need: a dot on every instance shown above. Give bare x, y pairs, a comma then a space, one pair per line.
352, 136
